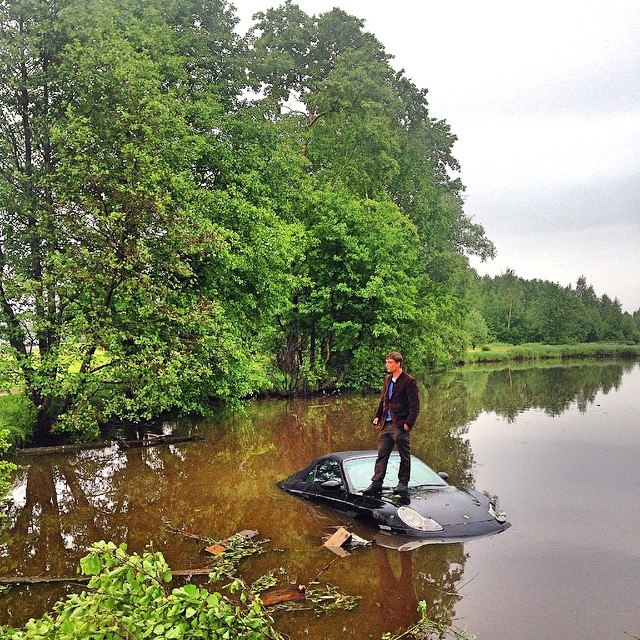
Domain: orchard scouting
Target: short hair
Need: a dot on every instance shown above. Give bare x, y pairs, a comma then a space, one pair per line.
395, 356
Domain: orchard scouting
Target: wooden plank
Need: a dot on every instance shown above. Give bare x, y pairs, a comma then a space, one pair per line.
282, 595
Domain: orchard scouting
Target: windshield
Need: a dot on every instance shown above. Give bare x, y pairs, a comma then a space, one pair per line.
360, 470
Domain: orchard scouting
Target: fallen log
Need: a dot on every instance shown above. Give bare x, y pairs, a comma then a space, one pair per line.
152, 441
42, 579
65, 448
55, 580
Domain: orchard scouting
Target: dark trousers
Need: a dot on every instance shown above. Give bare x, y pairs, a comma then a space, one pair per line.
389, 436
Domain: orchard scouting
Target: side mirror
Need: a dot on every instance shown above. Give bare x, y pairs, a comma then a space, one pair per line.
444, 475
331, 484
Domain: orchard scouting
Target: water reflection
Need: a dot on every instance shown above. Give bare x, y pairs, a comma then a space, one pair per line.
227, 482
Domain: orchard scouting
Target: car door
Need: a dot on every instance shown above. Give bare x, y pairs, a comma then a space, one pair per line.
326, 485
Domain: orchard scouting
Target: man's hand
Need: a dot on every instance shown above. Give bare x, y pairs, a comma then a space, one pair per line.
375, 423
406, 427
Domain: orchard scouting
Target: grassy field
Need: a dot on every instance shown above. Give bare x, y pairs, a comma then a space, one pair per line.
521, 352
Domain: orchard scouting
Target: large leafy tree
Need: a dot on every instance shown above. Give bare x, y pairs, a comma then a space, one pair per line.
393, 223
125, 259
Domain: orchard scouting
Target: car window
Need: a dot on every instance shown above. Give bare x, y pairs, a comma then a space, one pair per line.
323, 471
360, 470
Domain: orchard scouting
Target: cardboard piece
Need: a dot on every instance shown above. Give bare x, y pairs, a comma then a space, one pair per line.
334, 543
216, 549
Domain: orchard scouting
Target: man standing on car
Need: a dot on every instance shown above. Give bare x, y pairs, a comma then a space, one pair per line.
397, 412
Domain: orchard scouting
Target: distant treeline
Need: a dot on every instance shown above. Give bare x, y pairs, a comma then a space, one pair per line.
188, 214
513, 310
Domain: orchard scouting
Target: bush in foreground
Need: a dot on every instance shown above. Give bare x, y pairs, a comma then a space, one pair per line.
128, 597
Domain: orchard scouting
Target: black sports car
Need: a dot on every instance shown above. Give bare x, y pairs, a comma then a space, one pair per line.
431, 509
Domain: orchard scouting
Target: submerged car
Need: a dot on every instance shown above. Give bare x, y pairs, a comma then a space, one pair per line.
431, 509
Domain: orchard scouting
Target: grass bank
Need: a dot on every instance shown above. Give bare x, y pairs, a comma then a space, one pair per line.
16, 420
535, 351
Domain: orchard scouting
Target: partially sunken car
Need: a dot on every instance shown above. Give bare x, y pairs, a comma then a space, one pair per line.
431, 510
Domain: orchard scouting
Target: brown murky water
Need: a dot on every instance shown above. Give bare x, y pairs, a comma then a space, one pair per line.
557, 445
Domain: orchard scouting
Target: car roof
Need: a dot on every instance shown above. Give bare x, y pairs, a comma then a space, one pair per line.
345, 455
338, 456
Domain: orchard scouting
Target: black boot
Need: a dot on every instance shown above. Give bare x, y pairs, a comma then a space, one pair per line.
401, 487
373, 488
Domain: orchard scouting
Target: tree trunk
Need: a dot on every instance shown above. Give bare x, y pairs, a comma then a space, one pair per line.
45, 419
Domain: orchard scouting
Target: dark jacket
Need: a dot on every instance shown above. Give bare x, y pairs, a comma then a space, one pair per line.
404, 403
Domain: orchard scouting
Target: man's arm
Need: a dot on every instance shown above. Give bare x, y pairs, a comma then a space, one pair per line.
380, 409
414, 402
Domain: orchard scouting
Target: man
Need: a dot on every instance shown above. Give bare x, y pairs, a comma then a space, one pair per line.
397, 412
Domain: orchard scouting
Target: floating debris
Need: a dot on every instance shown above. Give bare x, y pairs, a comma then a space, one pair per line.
341, 538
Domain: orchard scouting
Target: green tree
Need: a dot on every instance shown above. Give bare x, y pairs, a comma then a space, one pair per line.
477, 328
129, 269
366, 135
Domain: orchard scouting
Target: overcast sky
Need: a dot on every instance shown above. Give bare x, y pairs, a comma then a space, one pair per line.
545, 100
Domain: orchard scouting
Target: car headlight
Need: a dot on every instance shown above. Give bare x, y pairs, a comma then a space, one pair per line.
417, 521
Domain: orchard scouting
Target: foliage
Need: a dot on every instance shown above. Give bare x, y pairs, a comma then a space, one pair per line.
128, 597
386, 266
477, 328
6, 468
321, 600
16, 417
237, 547
520, 311
426, 629
135, 272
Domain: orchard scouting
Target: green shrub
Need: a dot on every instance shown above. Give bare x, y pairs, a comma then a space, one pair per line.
16, 417
128, 597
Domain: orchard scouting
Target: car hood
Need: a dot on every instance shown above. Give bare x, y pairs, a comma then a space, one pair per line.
447, 505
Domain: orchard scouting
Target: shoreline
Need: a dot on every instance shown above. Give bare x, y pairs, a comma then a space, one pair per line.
496, 353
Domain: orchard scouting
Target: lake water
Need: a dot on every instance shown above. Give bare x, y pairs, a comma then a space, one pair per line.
558, 446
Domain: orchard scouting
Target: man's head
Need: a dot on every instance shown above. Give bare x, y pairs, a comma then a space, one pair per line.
393, 362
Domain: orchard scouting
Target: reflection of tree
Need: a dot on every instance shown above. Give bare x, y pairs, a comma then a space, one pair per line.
554, 389
438, 569
61, 504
